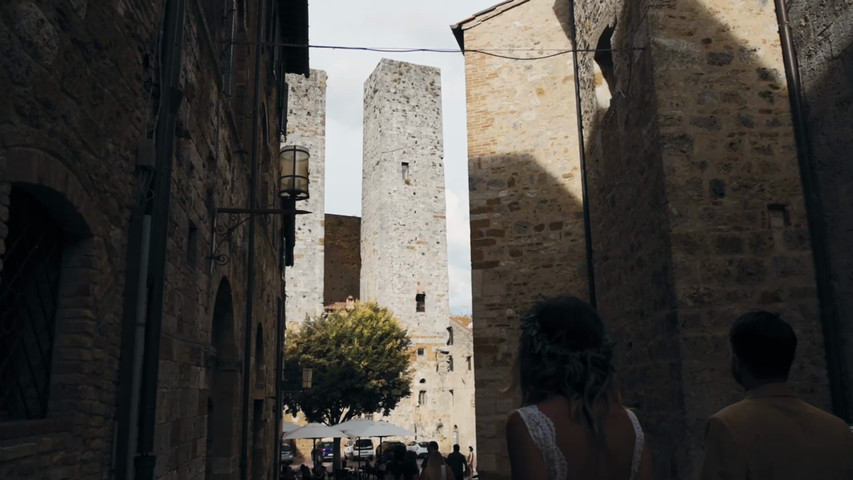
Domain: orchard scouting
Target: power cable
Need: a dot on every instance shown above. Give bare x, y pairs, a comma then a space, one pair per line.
490, 52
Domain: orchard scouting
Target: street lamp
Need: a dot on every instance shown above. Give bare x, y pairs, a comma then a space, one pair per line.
293, 186
293, 162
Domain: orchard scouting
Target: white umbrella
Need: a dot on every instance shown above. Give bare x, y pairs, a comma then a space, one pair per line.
315, 431
287, 427
379, 429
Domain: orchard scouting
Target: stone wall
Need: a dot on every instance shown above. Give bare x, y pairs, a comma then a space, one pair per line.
739, 235
81, 99
342, 270
526, 208
306, 126
822, 40
696, 208
64, 112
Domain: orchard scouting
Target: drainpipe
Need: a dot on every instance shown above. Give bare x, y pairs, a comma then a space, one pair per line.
817, 226
587, 228
158, 208
250, 281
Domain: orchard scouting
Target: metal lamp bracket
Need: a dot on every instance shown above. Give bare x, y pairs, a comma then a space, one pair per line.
221, 233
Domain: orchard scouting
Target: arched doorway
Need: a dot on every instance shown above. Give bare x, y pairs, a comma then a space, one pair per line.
225, 381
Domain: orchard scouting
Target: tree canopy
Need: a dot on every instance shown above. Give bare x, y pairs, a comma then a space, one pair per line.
360, 361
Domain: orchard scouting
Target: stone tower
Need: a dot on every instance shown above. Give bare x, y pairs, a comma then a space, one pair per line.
403, 237
307, 127
403, 231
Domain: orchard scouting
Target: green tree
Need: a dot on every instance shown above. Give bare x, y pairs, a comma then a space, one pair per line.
360, 363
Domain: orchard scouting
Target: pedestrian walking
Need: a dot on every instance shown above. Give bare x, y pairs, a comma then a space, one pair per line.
565, 369
457, 463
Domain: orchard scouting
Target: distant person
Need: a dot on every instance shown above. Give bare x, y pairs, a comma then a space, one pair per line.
457, 463
436, 468
471, 460
572, 418
772, 434
305, 472
431, 447
398, 468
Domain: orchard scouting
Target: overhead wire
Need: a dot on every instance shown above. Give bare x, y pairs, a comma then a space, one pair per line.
491, 52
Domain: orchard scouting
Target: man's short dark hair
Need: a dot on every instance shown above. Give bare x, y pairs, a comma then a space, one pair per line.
433, 445
764, 343
456, 447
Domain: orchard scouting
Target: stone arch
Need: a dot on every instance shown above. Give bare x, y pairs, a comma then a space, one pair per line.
54, 316
224, 383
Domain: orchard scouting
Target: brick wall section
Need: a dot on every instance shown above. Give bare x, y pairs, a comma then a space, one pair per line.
729, 159
823, 47
342, 258
307, 127
695, 201
525, 197
76, 111
65, 110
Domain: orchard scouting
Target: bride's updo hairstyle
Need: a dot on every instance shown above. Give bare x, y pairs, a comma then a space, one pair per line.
564, 350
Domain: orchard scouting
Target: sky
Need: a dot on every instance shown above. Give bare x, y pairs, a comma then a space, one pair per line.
398, 23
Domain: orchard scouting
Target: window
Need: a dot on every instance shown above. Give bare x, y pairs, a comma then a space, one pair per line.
605, 79
420, 302
420, 352
404, 169
450, 363
450, 335
422, 398
28, 299
468, 360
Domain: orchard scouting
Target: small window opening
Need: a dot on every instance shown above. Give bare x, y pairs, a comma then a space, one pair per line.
605, 80
779, 215
192, 245
420, 352
450, 335
420, 302
450, 363
468, 361
422, 397
404, 167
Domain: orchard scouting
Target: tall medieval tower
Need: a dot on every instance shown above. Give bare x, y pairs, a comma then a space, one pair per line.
403, 233
307, 128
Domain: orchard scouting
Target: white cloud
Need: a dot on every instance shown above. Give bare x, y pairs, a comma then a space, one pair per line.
394, 23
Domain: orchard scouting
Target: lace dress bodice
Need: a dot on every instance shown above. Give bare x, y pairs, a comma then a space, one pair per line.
544, 435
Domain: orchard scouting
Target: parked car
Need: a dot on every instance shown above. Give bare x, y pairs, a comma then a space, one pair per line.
286, 454
327, 451
362, 449
387, 452
420, 448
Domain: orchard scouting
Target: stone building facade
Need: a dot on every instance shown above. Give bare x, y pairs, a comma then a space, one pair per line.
124, 129
342, 271
306, 127
696, 209
396, 253
403, 231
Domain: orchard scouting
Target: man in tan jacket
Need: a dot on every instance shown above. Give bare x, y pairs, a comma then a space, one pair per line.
772, 434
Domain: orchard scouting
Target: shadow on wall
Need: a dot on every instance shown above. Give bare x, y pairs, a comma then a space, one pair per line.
527, 242
689, 147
